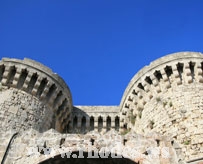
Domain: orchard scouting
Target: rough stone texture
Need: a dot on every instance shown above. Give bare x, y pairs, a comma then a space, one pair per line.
159, 117
38, 81
32, 143
166, 97
110, 116
21, 111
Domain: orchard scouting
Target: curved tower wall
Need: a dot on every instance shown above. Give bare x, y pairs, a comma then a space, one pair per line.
167, 97
31, 95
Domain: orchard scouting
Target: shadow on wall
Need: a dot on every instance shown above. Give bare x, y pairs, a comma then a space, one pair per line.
83, 122
59, 160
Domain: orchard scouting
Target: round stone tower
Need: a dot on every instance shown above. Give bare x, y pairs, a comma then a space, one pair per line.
32, 96
167, 97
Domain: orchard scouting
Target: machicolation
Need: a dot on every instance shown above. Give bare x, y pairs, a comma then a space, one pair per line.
159, 119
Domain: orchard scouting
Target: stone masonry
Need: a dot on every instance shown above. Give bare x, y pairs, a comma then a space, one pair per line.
166, 97
159, 119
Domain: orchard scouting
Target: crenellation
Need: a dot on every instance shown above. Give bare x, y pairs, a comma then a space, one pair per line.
41, 87
5, 75
22, 77
32, 82
177, 88
11, 75
16, 77
166, 81
36, 86
188, 73
199, 73
162, 99
45, 91
26, 81
2, 69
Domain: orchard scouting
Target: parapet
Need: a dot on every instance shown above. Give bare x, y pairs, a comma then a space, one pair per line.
175, 64
166, 97
38, 81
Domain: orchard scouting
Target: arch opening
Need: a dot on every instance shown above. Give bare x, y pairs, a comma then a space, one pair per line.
85, 158
83, 126
75, 121
117, 123
108, 123
91, 123
100, 124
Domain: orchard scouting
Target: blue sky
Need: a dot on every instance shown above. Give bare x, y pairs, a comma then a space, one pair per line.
98, 45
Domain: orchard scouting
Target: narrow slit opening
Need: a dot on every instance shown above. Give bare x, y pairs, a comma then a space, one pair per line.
140, 86
108, 123
124, 141
158, 142
180, 70
32, 82
11, 75
130, 99
62, 141
135, 93
100, 124
158, 75
202, 67
61, 107
92, 141
2, 69
22, 78
41, 87
192, 65
169, 72
91, 123
126, 106
52, 89
75, 120
148, 80
83, 125
125, 126
57, 98
117, 123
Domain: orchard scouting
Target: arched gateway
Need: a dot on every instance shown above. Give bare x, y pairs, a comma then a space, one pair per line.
159, 119
109, 160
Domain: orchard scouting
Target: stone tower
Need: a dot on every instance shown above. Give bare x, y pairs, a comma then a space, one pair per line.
32, 96
159, 119
166, 97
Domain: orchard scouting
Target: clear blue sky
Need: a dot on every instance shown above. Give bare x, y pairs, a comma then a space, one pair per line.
98, 45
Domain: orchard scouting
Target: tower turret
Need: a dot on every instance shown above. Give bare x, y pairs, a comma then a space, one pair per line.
31, 95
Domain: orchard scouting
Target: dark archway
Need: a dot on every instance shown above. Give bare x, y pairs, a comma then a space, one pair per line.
83, 124
117, 123
75, 122
108, 123
59, 160
91, 123
100, 124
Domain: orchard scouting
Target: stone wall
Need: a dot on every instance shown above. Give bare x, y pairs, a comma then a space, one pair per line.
21, 111
163, 103
166, 97
37, 82
101, 118
52, 147
178, 114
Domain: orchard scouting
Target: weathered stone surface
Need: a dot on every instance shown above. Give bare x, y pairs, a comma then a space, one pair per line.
137, 148
159, 119
170, 90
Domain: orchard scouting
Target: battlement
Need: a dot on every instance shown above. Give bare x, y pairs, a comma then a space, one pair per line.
163, 101
39, 81
165, 97
174, 66
99, 118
